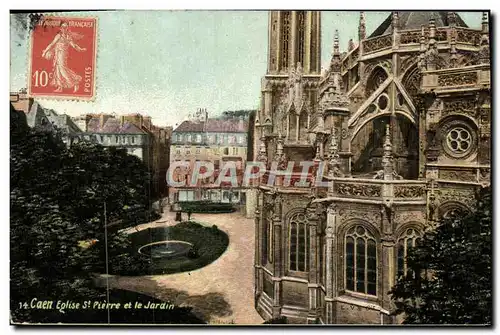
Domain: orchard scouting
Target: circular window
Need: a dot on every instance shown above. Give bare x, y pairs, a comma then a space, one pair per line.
459, 140
383, 102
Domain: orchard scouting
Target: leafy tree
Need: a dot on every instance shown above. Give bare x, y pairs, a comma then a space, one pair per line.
454, 271
60, 197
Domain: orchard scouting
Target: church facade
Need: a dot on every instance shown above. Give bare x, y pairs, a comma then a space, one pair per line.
401, 124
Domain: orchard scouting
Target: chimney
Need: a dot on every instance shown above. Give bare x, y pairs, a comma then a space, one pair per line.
241, 124
102, 120
122, 120
147, 122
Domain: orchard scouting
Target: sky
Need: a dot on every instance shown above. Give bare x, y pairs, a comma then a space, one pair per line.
166, 64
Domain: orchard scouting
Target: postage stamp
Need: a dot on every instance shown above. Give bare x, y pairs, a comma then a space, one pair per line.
63, 58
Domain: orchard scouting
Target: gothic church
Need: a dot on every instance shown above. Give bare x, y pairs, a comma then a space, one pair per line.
401, 120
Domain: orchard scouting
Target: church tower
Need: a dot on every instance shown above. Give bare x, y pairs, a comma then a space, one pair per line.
294, 37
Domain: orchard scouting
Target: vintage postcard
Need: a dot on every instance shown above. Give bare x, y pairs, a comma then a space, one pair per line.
250, 168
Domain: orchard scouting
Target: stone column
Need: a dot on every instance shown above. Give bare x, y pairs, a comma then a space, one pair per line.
331, 275
258, 246
388, 275
277, 264
293, 40
312, 218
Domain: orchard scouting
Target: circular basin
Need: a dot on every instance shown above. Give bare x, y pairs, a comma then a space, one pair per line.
165, 249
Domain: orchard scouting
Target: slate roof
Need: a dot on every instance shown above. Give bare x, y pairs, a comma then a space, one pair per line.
415, 20
214, 126
112, 125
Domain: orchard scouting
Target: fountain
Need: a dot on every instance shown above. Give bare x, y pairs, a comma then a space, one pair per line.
166, 249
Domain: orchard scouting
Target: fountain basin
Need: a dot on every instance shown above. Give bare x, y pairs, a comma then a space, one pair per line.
167, 249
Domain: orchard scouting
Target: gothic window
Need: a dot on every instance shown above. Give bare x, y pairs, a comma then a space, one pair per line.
361, 261
411, 82
377, 77
286, 39
409, 240
458, 138
298, 243
301, 36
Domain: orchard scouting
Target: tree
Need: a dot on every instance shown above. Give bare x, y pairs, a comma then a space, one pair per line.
60, 197
454, 271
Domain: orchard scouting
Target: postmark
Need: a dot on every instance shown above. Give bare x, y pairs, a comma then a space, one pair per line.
62, 58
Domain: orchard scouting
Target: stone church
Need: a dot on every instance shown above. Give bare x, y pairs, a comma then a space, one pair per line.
401, 125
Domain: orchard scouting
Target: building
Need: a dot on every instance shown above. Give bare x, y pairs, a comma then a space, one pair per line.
43, 118
210, 140
112, 131
402, 123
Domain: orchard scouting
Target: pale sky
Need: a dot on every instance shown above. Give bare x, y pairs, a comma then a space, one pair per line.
166, 64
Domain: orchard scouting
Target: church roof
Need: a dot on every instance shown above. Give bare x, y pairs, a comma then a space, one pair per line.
415, 20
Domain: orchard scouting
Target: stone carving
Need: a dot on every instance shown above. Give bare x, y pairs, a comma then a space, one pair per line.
377, 43
458, 139
457, 79
459, 175
468, 36
410, 37
409, 191
358, 190
367, 215
463, 106
262, 156
407, 63
409, 216
462, 195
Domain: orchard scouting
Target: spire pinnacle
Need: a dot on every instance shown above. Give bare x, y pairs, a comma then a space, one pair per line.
336, 51
362, 26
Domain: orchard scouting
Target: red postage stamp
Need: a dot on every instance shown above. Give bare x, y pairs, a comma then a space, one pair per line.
63, 58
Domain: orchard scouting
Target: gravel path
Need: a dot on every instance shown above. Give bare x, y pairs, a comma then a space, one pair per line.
221, 292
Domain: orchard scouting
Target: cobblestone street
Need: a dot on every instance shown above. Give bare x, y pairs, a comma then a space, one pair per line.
221, 292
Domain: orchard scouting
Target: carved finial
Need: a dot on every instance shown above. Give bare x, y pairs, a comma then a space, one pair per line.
333, 151
484, 21
452, 19
336, 51
387, 159
432, 29
484, 49
395, 21
262, 156
318, 155
362, 26
350, 45
453, 52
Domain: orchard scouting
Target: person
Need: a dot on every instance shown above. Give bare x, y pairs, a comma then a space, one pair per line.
62, 75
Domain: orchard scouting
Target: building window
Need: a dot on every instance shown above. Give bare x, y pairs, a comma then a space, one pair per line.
179, 137
241, 139
226, 151
102, 138
361, 261
116, 138
301, 37
407, 241
133, 139
198, 138
211, 138
286, 38
198, 151
221, 139
235, 151
188, 138
298, 243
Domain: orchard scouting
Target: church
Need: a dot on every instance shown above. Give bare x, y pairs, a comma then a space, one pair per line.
401, 122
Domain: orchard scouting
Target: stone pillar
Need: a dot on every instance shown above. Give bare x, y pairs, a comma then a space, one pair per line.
258, 245
388, 273
331, 275
277, 264
293, 40
312, 218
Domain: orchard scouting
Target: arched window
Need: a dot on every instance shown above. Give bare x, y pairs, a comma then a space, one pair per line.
361, 261
298, 243
408, 240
